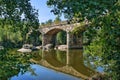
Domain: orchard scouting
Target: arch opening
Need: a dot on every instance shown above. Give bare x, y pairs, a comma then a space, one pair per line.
56, 37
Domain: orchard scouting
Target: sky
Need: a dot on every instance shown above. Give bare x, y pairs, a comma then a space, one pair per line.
43, 10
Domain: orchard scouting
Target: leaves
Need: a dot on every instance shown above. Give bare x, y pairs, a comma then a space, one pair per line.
103, 34
20, 15
86, 8
61, 37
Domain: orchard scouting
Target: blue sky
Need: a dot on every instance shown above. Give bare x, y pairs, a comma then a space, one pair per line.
43, 10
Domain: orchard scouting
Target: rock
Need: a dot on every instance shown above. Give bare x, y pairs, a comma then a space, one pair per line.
27, 46
48, 46
62, 47
24, 50
39, 47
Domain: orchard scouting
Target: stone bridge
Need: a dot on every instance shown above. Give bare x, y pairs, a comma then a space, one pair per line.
49, 33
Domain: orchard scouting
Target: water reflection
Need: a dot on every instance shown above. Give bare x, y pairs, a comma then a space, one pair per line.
11, 63
43, 73
70, 61
28, 66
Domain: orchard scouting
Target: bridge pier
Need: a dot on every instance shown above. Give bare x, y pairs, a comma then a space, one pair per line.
68, 39
43, 39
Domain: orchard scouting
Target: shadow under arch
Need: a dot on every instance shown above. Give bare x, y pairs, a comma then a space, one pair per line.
54, 31
51, 36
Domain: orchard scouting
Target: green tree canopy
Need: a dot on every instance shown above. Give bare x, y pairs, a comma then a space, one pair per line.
57, 20
103, 32
14, 11
20, 15
82, 8
61, 37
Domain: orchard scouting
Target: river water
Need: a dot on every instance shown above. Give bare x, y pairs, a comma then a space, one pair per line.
45, 65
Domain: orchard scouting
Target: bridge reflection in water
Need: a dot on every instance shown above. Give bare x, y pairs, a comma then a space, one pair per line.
70, 62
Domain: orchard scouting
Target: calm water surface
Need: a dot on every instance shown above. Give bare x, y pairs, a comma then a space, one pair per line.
43, 73
44, 65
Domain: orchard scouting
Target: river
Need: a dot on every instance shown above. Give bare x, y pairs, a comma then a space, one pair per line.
45, 65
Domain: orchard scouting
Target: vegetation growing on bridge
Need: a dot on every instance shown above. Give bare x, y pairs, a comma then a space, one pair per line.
57, 21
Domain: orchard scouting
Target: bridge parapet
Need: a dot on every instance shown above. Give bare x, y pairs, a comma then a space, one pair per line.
54, 24
63, 26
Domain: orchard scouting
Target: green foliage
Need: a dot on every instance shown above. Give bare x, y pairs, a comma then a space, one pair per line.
42, 24
8, 38
61, 37
47, 23
50, 22
81, 8
102, 35
105, 43
33, 38
79, 29
18, 16
12, 63
57, 20
15, 11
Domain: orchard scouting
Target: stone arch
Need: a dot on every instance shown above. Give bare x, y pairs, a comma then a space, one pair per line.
65, 27
54, 31
50, 31
50, 36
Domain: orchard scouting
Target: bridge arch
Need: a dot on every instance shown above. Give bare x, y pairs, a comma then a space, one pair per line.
54, 31
51, 37
50, 31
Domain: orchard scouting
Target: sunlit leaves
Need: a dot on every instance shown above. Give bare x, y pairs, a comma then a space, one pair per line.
20, 15
89, 8
103, 34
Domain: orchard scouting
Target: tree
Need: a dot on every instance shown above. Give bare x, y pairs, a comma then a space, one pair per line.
57, 20
81, 8
61, 37
19, 14
49, 22
103, 32
33, 38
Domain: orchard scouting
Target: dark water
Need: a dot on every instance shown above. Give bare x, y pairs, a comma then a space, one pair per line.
44, 65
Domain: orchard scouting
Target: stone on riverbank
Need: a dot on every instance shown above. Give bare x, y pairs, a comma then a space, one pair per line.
62, 47
24, 50
48, 46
